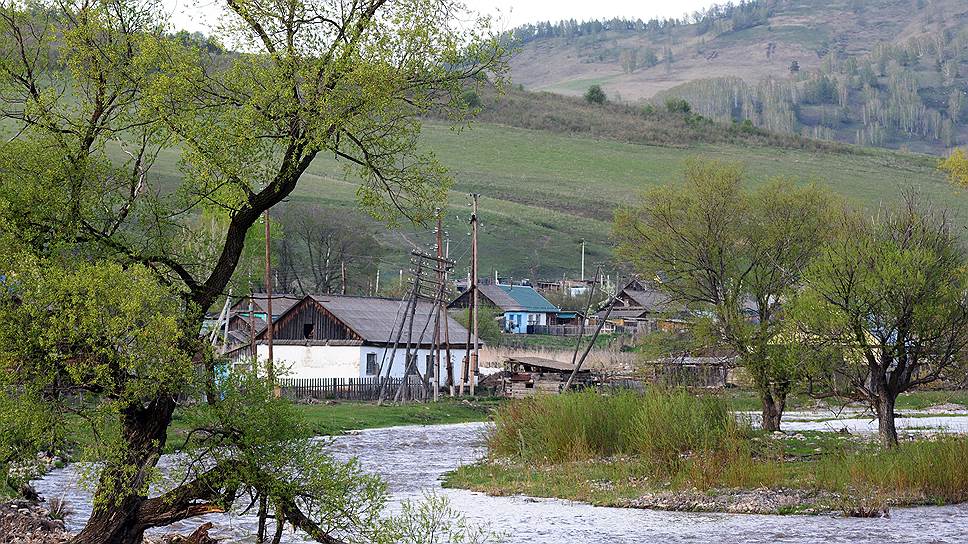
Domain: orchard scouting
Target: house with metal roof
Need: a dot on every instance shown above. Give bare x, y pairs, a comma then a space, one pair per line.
342, 336
521, 307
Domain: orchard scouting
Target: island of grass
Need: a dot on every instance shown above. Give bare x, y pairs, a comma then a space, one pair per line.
670, 450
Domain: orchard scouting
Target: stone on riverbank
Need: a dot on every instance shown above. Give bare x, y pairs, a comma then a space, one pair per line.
741, 501
25, 522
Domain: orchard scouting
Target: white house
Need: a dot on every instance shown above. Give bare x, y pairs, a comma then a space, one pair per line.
341, 336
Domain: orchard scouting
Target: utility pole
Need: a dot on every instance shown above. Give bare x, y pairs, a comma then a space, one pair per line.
376, 290
473, 360
269, 367
441, 311
450, 362
342, 272
582, 259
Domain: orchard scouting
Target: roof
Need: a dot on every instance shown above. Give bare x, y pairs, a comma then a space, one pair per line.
377, 320
542, 363
517, 298
281, 303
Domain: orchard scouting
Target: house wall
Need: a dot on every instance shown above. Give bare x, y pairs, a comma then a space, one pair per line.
517, 322
316, 361
304, 361
399, 361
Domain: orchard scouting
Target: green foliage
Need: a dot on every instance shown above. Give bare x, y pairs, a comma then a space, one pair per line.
884, 303
733, 253
595, 95
488, 323
659, 425
678, 105
956, 167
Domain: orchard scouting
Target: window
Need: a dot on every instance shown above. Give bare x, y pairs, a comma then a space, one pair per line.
371, 368
309, 331
412, 365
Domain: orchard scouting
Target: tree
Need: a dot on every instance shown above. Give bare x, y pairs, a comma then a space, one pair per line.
734, 254
888, 298
595, 95
678, 105
93, 94
320, 245
956, 166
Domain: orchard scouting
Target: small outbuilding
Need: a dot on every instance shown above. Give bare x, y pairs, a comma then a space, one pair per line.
527, 376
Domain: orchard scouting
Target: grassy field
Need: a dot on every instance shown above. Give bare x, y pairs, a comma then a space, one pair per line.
542, 192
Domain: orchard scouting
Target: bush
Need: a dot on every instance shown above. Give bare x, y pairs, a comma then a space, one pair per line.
660, 426
472, 99
595, 95
678, 105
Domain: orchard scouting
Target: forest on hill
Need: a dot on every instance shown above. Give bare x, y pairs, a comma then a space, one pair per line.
888, 73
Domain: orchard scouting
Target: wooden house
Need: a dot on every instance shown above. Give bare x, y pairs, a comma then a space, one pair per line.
522, 309
341, 336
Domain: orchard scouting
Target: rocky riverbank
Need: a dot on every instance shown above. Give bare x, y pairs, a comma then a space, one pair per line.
742, 501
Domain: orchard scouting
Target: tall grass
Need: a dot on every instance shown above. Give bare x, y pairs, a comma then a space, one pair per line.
661, 426
923, 471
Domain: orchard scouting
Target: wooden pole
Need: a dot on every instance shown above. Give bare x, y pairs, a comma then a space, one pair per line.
441, 311
413, 312
269, 363
598, 330
342, 273
474, 369
450, 361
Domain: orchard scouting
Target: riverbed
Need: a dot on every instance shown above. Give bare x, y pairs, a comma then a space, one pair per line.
412, 459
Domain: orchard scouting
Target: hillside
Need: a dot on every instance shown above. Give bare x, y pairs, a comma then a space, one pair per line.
876, 72
544, 191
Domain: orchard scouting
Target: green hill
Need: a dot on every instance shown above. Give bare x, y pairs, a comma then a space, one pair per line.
542, 192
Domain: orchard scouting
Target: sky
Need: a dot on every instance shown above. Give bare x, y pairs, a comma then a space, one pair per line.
199, 14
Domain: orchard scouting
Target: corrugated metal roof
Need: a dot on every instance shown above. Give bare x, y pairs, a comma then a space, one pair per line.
377, 320
517, 298
281, 302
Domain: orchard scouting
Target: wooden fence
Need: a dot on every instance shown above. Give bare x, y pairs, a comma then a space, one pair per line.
302, 389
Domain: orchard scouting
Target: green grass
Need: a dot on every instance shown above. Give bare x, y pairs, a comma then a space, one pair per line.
542, 192
606, 450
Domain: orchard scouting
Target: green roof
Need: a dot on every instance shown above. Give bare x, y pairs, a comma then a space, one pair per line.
529, 299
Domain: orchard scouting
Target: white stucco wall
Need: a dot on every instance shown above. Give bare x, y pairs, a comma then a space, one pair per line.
313, 361
306, 362
456, 356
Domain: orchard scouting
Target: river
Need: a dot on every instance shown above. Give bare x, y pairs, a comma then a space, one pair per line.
412, 460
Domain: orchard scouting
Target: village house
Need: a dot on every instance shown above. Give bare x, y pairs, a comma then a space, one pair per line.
341, 336
641, 308
522, 309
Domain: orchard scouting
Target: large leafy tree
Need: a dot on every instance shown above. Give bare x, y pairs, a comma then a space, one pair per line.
886, 306
109, 264
733, 254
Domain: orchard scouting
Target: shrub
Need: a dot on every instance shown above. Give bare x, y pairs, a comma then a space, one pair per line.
595, 95
678, 105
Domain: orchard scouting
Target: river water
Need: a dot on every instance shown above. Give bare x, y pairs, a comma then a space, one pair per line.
412, 460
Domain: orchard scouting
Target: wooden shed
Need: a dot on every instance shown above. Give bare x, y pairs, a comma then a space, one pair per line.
527, 376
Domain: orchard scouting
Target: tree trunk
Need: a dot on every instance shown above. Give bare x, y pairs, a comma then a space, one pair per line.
121, 493
773, 405
885, 419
